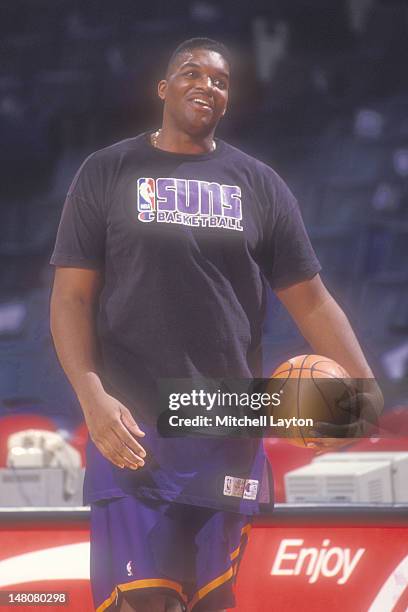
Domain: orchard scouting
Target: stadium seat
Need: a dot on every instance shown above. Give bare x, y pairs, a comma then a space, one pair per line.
34, 51
387, 248
387, 200
69, 91
396, 112
13, 313
386, 25
339, 249
344, 204
86, 52
358, 160
383, 309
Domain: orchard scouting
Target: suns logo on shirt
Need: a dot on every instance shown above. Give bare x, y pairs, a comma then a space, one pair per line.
189, 202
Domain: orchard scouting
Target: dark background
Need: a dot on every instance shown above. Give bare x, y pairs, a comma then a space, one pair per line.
319, 91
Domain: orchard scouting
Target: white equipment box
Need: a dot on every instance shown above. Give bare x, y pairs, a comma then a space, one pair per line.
397, 460
39, 487
340, 482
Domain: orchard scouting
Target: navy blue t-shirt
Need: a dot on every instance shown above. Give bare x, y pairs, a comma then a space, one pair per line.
187, 244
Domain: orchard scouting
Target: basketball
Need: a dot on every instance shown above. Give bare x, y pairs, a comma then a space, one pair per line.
311, 389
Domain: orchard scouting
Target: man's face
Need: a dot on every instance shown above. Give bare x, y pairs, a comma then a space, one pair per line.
195, 92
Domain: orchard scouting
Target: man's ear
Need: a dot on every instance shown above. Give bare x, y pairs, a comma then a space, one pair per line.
161, 89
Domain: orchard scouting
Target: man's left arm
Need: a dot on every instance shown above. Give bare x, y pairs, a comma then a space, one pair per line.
325, 326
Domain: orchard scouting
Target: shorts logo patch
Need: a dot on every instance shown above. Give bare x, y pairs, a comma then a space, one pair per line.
233, 487
251, 489
239, 487
129, 568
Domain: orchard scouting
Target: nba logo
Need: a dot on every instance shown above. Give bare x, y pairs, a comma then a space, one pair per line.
146, 201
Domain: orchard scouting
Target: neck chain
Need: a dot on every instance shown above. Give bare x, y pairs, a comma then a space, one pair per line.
154, 137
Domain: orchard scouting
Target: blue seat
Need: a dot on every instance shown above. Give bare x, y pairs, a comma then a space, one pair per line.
341, 253
387, 248
65, 91
383, 310
343, 203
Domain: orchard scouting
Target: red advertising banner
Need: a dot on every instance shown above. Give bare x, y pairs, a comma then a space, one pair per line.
286, 567
358, 569
40, 558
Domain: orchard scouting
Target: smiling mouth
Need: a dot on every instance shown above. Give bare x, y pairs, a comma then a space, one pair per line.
200, 103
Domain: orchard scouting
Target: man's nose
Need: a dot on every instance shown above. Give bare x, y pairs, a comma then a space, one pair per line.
206, 82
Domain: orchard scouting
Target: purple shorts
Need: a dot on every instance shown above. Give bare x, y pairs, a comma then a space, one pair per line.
187, 552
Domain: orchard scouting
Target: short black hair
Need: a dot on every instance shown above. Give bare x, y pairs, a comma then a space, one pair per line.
200, 43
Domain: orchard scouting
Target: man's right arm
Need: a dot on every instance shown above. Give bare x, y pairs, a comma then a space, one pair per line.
111, 426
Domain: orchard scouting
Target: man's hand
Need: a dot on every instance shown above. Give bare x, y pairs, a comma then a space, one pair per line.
363, 408
113, 429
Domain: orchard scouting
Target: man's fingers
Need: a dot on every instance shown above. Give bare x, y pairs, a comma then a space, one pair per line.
124, 451
126, 437
134, 460
362, 406
114, 434
117, 453
109, 453
131, 424
123, 455
351, 405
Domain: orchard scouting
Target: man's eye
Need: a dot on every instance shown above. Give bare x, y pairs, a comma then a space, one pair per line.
191, 73
220, 84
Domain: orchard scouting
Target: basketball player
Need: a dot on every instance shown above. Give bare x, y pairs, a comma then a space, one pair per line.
165, 244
